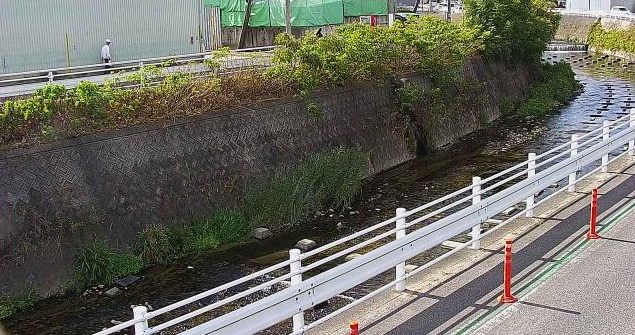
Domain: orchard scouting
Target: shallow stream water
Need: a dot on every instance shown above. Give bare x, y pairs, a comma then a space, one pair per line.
504, 143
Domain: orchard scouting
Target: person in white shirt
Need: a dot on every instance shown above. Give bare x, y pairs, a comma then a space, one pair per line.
105, 54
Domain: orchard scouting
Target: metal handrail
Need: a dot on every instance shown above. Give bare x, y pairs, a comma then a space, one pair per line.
133, 61
455, 222
596, 14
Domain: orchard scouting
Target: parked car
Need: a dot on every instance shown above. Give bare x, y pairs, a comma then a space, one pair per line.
621, 10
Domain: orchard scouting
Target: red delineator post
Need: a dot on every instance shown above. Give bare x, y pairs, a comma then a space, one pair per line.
507, 297
593, 235
354, 328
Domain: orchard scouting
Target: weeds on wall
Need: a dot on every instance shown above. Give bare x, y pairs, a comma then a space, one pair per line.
555, 88
612, 39
409, 97
148, 95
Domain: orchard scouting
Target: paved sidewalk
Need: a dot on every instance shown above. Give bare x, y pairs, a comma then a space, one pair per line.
592, 293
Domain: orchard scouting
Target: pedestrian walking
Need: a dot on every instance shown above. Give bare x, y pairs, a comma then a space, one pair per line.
106, 58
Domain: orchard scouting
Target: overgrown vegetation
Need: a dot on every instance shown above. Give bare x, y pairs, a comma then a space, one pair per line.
96, 264
359, 52
10, 305
148, 95
555, 88
612, 39
330, 179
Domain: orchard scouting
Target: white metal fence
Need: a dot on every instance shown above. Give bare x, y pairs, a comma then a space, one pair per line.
597, 14
417, 230
238, 60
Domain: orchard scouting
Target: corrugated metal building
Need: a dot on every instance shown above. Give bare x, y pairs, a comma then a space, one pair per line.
37, 34
45, 34
604, 5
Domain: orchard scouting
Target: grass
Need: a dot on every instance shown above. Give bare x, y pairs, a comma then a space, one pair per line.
330, 179
13, 304
96, 264
555, 88
162, 245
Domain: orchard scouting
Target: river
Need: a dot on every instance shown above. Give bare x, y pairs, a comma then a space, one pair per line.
502, 144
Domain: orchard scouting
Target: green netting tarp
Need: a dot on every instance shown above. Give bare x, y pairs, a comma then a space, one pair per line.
312, 13
365, 7
304, 13
260, 14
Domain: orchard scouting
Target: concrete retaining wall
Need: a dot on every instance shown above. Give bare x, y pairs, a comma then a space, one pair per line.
574, 28
54, 198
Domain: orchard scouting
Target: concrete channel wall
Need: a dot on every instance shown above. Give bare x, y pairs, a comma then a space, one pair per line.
574, 28
55, 198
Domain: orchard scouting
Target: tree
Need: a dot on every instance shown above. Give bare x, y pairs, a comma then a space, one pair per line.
520, 29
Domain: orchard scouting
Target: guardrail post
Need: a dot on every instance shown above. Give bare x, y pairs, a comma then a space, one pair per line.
631, 143
51, 76
400, 269
574, 152
531, 166
140, 327
476, 230
296, 279
606, 131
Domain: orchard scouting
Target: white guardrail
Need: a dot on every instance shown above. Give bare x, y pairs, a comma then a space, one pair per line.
597, 14
416, 231
51, 75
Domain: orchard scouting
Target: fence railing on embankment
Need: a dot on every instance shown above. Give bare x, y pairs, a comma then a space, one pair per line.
238, 60
322, 273
597, 14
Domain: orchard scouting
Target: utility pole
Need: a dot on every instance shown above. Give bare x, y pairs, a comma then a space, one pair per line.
449, 10
287, 16
245, 27
391, 12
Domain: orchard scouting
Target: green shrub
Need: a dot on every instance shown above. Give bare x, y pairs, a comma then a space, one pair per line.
96, 263
217, 56
357, 52
10, 305
556, 86
327, 179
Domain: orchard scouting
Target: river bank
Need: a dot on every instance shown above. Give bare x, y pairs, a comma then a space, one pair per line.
409, 184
